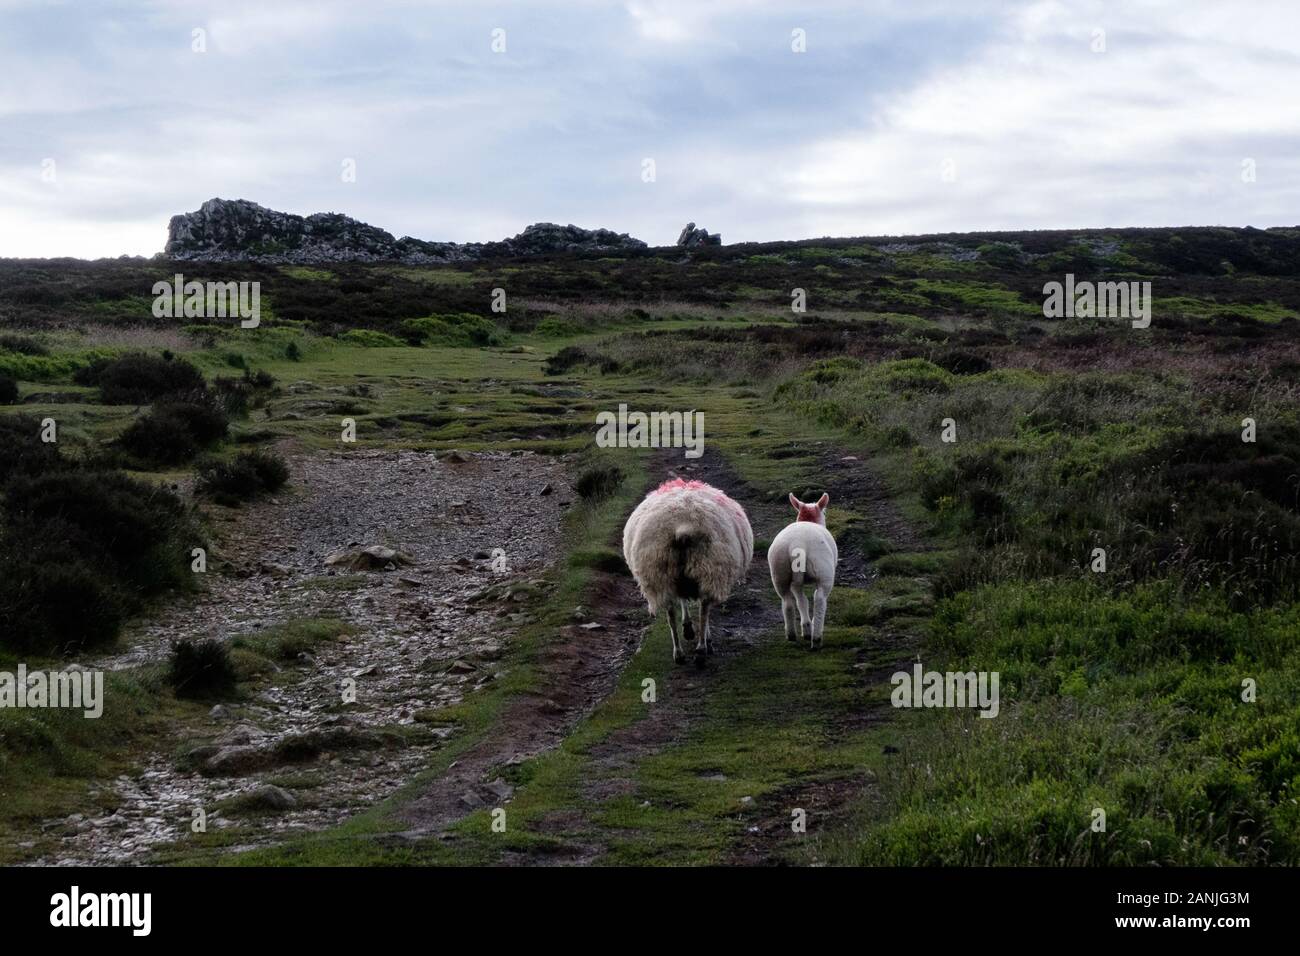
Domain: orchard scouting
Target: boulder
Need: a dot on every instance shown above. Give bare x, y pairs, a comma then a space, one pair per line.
234, 761
374, 557
691, 237
268, 797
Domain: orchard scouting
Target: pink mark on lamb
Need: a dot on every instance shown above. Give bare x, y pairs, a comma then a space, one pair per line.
809, 513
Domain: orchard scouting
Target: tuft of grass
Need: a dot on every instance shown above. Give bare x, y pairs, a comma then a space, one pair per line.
599, 482
286, 641
201, 669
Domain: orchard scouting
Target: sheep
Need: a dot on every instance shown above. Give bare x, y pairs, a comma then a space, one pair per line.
804, 553
688, 541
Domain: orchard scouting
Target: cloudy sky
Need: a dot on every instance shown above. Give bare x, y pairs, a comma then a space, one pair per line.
899, 117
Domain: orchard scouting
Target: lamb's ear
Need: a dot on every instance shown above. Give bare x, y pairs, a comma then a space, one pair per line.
795, 503
823, 501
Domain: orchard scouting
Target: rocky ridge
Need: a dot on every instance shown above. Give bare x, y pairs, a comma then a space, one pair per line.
226, 230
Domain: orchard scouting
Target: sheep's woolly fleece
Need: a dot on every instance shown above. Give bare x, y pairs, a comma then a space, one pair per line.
717, 542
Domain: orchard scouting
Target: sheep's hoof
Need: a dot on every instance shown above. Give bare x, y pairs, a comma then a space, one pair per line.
708, 648
815, 646
792, 639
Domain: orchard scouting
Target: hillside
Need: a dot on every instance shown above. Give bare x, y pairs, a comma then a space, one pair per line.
499, 650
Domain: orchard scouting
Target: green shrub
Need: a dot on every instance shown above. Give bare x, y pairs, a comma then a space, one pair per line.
250, 390
174, 432
56, 603
22, 344
205, 422
566, 359
458, 329
960, 362
138, 379
556, 327
136, 532
201, 669
23, 450
243, 477
48, 368
81, 548
370, 339
158, 440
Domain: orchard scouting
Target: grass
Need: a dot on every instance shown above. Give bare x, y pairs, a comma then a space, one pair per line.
1156, 735
287, 640
51, 757
1122, 691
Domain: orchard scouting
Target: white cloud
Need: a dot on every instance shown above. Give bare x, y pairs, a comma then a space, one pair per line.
750, 139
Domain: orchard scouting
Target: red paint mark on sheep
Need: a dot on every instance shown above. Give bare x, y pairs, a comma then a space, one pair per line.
680, 483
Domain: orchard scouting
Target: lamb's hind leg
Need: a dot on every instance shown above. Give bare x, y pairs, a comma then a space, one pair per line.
819, 617
790, 614
679, 655
805, 619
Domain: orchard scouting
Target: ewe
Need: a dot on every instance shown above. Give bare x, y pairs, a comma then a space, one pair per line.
687, 541
804, 553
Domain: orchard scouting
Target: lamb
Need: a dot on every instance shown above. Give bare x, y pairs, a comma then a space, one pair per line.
687, 541
804, 553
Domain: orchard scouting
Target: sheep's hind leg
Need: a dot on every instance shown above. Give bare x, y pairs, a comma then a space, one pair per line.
679, 655
704, 646
688, 629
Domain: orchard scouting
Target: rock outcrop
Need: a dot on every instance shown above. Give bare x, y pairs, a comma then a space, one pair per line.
692, 237
225, 230
543, 238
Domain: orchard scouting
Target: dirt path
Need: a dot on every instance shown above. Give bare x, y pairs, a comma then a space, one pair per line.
419, 643
577, 672
748, 621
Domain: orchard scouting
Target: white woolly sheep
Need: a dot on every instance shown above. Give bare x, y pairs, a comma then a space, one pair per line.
804, 554
687, 541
